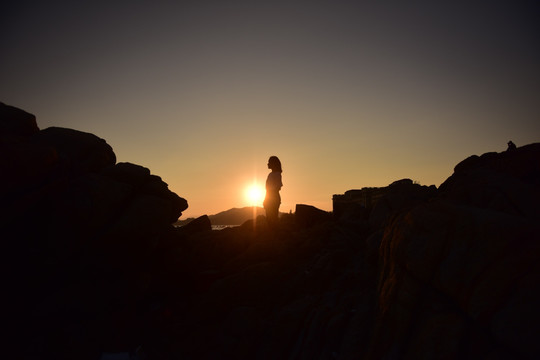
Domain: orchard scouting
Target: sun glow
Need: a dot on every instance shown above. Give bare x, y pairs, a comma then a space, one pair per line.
254, 195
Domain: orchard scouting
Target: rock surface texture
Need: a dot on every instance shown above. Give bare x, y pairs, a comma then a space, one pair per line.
95, 269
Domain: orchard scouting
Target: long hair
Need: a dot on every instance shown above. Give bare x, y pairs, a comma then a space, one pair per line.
274, 164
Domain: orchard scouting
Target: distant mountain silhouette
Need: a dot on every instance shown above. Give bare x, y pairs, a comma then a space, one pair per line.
234, 216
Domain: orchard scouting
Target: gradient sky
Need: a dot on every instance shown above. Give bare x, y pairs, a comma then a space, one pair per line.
347, 94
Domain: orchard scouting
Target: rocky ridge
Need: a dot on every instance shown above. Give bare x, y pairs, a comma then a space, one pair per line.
95, 266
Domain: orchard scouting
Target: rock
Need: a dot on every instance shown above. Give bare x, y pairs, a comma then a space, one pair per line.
140, 179
95, 266
16, 122
259, 224
354, 213
82, 237
499, 181
134, 175
356, 201
307, 215
466, 270
24, 164
399, 196
200, 224
77, 150
21, 162
454, 271
378, 205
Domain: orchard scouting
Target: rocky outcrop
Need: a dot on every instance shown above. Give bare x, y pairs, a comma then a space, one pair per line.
76, 150
403, 271
79, 231
200, 224
507, 182
378, 205
307, 215
440, 276
398, 197
459, 274
66, 180
15, 122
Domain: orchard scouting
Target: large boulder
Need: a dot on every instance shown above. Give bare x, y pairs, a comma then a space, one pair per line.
77, 150
377, 205
200, 224
16, 122
21, 162
507, 181
83, 236
397, 197
459, 274
141, 180
308, 215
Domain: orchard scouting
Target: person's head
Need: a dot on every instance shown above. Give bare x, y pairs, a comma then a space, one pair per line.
274, 163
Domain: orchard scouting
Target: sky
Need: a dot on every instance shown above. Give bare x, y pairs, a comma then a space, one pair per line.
348, 94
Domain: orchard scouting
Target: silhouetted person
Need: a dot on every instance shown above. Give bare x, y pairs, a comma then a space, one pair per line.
511, 146
272, 199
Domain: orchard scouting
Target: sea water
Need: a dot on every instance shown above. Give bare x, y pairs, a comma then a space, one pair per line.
215, 227
221, 227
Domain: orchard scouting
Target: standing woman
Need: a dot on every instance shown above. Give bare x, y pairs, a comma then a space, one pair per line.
273, 185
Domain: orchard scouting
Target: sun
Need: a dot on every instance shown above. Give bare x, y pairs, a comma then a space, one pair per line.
254, 195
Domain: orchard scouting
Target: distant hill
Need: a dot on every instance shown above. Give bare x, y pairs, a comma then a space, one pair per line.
234, 216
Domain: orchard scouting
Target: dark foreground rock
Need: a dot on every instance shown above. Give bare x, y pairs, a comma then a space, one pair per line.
78, 233
443, 275
407, 272
307, 215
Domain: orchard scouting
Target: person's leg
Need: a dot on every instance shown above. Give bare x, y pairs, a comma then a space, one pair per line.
272, 215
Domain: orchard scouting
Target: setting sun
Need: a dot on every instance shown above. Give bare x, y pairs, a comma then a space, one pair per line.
254, 195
